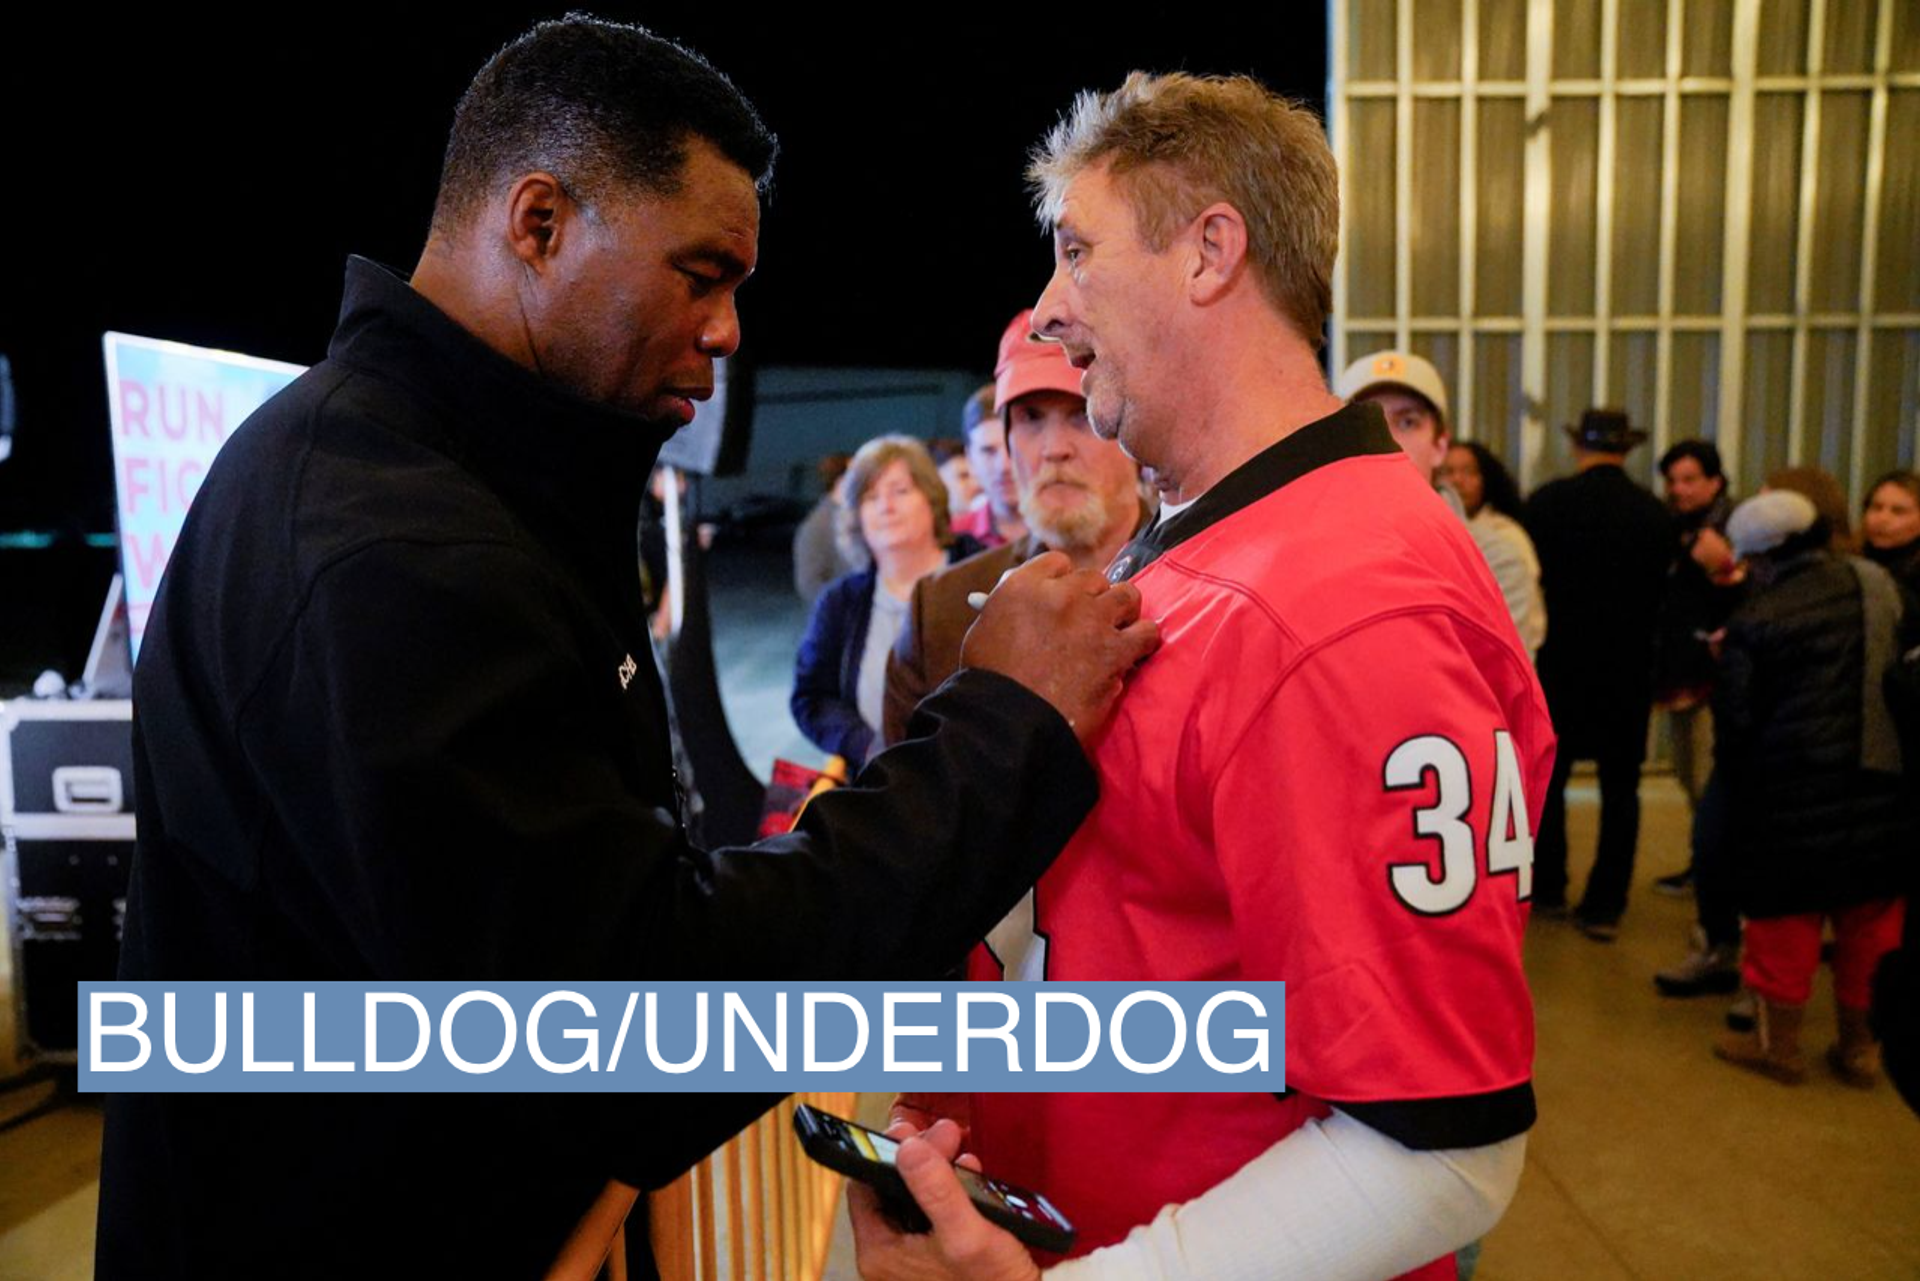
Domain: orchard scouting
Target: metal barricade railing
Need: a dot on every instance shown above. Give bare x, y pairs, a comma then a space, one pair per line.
772, 1206
756, 1210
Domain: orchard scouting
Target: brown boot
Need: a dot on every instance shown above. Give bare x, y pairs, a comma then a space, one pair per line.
1855, 1057
1772, 1048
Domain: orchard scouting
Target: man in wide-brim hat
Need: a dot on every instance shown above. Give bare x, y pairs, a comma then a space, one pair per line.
1605, 431
1604, 544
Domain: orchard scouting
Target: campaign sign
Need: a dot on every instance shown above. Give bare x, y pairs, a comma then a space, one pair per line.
171, 407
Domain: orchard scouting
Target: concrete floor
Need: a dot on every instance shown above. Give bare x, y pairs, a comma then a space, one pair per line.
1651, 1159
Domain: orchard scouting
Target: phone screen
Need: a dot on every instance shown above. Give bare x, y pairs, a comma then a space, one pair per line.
874, 1147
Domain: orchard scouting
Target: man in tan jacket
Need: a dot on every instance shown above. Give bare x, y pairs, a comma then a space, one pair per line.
1079, 495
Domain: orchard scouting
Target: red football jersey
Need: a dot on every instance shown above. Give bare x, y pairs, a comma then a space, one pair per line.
1328, 775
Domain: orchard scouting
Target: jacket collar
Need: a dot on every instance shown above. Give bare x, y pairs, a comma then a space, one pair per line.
570, 467
1713, 516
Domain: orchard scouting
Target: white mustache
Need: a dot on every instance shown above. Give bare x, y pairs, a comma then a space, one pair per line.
1055, 476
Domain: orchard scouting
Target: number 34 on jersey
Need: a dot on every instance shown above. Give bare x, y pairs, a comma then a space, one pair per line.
1427, 764
1437, 761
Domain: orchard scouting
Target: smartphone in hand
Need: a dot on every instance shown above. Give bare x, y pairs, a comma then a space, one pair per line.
867, 1155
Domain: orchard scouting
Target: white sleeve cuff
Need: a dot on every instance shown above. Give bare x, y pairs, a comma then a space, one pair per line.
1334, 1201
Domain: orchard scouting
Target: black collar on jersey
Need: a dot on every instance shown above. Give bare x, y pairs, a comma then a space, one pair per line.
1352, 431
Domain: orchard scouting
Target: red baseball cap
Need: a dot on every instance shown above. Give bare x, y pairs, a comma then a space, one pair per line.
1030, 364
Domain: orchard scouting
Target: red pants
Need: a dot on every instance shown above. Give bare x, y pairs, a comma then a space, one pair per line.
1784, 951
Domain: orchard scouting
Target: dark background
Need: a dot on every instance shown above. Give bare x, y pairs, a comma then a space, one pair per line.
191, 180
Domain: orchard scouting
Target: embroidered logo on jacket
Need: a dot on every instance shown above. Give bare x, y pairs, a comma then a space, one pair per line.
627, 671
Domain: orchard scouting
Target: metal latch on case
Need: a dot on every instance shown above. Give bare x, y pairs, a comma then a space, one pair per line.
87, 789
49, 918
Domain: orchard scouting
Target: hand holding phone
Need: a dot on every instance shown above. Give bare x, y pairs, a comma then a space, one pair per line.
869, 1157
963, 1246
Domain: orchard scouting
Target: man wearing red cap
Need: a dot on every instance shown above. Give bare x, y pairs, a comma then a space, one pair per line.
1078, 494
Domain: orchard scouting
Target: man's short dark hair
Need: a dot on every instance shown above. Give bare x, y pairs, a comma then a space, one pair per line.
600, 105
1704, 452
945, 449
978, 409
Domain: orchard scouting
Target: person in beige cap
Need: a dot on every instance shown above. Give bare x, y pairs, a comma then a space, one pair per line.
1410, 393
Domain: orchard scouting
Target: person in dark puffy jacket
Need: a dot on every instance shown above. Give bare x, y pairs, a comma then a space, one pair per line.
1822, 823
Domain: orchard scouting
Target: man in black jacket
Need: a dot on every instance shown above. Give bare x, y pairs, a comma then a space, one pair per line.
1604, 545
391, 724
1695, 606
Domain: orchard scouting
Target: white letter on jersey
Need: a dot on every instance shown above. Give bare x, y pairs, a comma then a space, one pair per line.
1018, 944
1413, 883
1509, 834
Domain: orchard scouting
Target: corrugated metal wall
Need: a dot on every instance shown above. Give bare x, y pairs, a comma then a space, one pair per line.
1704, 211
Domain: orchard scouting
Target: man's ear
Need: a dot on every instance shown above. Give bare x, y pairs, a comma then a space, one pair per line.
1221, 241
539, 215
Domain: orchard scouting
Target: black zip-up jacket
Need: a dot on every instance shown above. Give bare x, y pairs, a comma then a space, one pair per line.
1694, 605
1605, 544
396, 719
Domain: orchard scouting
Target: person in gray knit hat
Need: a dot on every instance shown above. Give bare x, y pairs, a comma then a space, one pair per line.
1767, 520
1821, 826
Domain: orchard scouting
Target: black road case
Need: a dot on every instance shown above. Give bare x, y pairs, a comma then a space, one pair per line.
66, 815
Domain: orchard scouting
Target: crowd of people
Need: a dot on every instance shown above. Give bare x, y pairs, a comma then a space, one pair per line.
1784, 640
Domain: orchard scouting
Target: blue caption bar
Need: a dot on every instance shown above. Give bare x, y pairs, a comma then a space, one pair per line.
441, 1038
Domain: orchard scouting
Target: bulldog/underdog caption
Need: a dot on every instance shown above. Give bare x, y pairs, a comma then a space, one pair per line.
970, 1017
